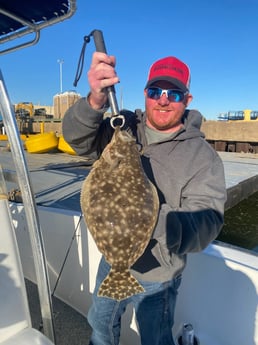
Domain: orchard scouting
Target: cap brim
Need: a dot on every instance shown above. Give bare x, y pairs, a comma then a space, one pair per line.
173, 81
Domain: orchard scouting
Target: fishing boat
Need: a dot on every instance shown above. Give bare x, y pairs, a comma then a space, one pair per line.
44, 239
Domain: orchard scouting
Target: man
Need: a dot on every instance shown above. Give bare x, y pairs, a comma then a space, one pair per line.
189, 177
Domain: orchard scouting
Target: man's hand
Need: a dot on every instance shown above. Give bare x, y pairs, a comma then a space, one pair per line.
101, 75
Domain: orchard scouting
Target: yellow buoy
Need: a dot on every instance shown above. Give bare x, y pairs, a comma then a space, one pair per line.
41, 143
4, 137
65, 147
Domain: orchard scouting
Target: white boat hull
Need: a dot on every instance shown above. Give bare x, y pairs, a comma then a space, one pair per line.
218, 295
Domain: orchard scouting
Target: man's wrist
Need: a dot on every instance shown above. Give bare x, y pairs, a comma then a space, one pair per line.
97, 104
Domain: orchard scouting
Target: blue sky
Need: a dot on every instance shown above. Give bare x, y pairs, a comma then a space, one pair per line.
217, 39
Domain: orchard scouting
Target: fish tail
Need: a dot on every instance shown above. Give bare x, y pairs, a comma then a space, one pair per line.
119, 285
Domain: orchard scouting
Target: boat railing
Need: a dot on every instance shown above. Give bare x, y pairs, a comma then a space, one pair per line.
29, 202
14, 311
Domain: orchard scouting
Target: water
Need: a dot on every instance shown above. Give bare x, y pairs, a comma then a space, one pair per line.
241, 224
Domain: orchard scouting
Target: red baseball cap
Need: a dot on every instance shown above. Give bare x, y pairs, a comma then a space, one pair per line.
172, 70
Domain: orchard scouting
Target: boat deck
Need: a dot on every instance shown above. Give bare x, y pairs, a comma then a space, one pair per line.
71, 328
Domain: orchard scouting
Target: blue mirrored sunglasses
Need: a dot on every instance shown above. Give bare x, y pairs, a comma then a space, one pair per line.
171, 94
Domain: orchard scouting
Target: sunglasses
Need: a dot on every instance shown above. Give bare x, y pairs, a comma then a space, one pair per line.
171, 94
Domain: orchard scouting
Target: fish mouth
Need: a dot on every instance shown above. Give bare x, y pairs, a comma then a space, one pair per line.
125, 136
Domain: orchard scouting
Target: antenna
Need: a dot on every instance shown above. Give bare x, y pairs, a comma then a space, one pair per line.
61, 61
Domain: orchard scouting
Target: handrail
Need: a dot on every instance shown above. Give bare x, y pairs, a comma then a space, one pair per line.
30, 208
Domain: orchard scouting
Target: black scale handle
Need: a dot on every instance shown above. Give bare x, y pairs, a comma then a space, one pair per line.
100, 47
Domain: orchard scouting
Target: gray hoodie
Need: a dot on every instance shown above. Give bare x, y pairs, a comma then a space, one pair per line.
187, 172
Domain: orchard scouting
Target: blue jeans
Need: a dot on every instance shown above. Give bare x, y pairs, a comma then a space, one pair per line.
154, 312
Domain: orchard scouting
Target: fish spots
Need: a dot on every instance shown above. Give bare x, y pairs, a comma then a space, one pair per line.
120, 207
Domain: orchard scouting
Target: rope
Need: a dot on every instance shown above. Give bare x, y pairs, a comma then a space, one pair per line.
66, 255
80, 65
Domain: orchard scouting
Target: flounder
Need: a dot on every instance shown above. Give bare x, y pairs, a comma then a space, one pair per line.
120, 207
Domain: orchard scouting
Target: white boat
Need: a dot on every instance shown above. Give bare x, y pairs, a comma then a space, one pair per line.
218, 296
48, 243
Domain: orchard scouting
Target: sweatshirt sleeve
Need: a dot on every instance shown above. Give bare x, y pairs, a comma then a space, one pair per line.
199, 219
83, 129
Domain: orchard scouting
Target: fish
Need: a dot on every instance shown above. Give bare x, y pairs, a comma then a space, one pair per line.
120, 206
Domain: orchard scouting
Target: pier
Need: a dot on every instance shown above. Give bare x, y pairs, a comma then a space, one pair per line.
232, 136
57, 177
241, 174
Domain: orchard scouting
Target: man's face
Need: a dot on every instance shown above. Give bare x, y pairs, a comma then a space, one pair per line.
163, 114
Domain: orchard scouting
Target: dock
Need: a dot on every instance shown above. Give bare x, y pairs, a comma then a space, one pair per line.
57, 177
241, 174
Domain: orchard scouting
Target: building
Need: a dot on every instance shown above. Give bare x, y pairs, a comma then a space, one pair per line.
63, 101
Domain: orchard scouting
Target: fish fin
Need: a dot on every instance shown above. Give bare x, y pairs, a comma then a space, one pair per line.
119, 285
